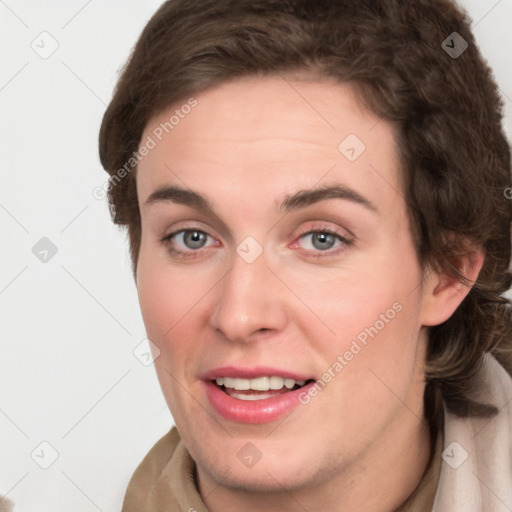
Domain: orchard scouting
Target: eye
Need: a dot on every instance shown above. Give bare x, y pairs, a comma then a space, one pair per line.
323, 241
186, 241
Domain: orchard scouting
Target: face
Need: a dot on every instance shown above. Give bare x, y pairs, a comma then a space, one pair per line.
277, 245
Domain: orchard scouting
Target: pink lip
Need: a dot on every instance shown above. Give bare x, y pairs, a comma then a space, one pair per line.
253, 411
252, 373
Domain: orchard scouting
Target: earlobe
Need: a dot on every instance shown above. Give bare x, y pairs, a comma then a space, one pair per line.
443, 292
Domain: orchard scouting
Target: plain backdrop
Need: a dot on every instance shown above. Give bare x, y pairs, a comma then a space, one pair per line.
78, 408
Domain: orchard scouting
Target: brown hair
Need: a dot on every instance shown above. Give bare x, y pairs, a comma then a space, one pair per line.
455, 156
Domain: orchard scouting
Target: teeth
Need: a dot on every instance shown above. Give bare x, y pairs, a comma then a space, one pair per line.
258, 384
239, 396
276, 382
289, 383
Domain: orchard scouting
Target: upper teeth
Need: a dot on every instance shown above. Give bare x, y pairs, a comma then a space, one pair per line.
258, 384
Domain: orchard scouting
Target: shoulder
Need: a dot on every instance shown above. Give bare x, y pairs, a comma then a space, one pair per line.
476, 472
150, 471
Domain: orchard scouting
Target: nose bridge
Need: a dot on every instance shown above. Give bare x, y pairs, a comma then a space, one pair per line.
248, 300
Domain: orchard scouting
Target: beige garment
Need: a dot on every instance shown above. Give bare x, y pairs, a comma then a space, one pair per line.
478, 475
5, 504
164, 481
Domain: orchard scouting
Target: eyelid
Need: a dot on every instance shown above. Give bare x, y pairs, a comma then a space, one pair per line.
183, 220
189, 225
322, 227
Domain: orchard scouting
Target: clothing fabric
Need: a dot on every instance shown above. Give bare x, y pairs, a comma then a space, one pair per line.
470, 470
5, 504
476, 474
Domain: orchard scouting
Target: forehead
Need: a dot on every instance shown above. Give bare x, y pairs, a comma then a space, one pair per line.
268, 135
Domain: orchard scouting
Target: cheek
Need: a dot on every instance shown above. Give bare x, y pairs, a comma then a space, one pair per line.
158, 301
172, 302
369, 361
166, 294
339, 305
167, 307
368, 314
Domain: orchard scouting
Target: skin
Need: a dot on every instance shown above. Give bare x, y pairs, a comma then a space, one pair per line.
362, 442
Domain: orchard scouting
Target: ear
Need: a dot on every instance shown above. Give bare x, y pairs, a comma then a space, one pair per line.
443, 293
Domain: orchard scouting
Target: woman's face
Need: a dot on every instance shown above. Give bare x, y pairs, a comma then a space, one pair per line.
281, 249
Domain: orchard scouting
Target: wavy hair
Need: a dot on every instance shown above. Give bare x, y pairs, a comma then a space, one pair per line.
410, 66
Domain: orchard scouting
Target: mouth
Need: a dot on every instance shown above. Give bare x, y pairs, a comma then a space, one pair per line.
259, 388
257, 394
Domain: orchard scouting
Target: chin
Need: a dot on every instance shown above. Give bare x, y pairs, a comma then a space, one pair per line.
263, 477
280, 465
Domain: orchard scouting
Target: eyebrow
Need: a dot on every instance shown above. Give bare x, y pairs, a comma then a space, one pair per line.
295, 201
307, 197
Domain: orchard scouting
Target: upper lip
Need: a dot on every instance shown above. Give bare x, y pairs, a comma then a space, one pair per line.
246, 372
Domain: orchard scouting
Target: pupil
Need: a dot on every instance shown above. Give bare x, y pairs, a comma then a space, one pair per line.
323, 238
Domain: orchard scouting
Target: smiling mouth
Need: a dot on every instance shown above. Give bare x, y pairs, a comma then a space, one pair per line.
259, 388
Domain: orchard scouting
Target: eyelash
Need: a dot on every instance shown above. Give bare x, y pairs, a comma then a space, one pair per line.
167, 241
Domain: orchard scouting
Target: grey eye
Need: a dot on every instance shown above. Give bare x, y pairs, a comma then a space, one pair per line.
194, 239
322, 241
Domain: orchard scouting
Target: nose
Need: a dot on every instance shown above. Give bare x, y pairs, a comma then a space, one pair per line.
250, 300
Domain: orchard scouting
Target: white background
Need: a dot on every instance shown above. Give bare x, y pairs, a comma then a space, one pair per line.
68, 375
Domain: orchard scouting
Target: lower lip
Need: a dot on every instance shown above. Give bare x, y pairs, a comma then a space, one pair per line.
253, 411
